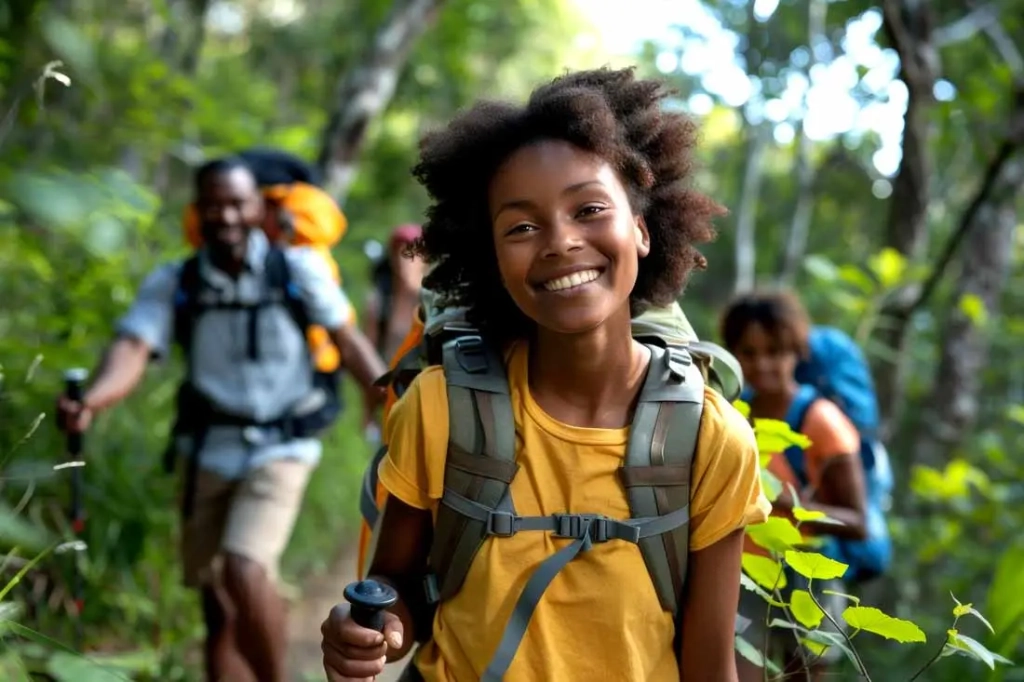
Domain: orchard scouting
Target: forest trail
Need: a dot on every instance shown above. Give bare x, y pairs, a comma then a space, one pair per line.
307, 612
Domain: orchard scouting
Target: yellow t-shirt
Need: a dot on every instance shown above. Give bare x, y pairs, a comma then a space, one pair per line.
600, 618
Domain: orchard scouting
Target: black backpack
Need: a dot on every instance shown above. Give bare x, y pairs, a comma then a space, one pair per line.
195, 412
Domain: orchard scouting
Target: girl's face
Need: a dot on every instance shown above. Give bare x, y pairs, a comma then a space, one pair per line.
567, 242
767, 361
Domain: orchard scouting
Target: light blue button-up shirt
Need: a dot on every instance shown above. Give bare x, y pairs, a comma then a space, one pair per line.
221, 368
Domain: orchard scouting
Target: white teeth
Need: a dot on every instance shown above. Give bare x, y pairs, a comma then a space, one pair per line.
574, 280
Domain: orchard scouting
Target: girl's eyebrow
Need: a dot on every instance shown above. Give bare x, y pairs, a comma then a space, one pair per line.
526, 203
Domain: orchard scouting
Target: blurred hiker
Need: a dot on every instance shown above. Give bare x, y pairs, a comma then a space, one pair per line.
392, 302
394, 298
554, 442
249, 410
769, 333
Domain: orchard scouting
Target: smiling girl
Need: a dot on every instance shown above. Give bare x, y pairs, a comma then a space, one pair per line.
555, 223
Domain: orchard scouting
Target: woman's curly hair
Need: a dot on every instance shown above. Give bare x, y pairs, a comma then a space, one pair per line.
608, 112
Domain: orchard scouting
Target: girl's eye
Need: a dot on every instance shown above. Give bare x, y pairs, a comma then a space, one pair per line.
588, 211
521, 228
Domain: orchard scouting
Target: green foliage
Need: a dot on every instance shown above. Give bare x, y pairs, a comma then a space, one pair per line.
803, 614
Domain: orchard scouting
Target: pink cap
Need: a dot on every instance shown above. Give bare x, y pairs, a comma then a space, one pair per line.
405, 234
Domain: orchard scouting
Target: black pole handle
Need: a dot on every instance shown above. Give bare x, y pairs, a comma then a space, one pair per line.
74, 389
369, 600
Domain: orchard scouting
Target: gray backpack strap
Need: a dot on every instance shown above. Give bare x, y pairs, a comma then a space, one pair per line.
658, 462
368, 489
724, 374
480, 463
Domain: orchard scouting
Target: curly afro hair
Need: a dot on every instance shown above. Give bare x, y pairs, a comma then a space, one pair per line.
607, 112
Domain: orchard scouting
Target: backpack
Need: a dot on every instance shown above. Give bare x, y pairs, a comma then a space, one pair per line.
299, 213
192, 299
480, 465
837, 370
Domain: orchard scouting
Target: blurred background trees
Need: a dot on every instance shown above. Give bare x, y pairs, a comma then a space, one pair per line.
869, 152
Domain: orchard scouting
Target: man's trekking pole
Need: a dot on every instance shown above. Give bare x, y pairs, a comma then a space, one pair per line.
74, 382
369, 599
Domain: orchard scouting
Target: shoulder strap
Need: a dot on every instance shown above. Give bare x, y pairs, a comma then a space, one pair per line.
659, 456
281, 287
481, 458
186, 302
795, 416
724, 373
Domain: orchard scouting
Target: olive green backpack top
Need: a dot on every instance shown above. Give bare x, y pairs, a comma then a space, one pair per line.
481, 464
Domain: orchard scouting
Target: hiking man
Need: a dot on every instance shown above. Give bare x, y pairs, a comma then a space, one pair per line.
250, 373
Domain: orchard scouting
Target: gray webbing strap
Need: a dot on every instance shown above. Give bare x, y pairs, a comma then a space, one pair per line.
584, 529
368, 491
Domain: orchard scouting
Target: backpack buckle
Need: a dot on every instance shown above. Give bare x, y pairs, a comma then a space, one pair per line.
573, 526
471, 354
501, 524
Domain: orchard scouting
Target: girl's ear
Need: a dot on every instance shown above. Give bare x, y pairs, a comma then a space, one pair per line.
642, 237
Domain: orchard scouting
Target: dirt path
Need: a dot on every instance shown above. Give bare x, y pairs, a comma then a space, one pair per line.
319, 594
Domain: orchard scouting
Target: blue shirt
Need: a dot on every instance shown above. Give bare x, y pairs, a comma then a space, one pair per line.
221, 369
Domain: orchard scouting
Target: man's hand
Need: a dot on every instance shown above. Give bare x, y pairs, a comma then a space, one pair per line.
73, 416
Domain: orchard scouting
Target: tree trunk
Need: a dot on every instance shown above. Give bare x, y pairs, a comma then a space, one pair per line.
746, 216
984, 266
908, 24
803, 212
367, 88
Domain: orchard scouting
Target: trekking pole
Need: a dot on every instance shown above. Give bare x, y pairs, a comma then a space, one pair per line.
74, 381
369, 599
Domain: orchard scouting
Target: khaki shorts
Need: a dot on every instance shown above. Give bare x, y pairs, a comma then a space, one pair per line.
252, 517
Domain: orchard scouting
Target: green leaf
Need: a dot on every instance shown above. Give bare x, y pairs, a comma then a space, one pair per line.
775, 436
748, 584
824, 637
742, 407
770, 484
870, 619
815, 566
888, 266
803, 608
67, 667
765, 571
813, 515
1015, 413
974, 309
961, 610
776, 534
975, 649
749, 652
855, 276
821, 267
1004, 605
816, 648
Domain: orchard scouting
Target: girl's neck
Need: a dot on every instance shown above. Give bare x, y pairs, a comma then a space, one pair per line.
587, 375
774, 405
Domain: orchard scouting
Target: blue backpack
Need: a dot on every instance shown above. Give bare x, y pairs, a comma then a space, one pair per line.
838, 371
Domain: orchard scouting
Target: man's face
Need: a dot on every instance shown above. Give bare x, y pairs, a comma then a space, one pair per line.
229, 206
